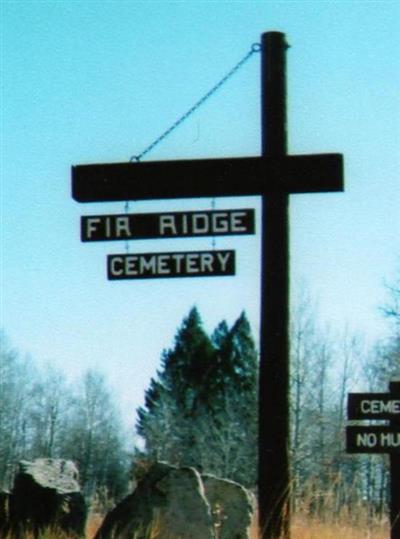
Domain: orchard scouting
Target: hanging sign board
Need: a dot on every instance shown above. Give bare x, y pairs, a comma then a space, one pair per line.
167, 225
171, 264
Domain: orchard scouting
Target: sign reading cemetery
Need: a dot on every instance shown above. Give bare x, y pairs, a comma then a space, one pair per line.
373, 406
167, 225
179, 264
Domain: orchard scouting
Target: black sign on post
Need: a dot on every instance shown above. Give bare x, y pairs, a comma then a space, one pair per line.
273, 175
167, 225
373, 406
394, 388
179, 264
379, 439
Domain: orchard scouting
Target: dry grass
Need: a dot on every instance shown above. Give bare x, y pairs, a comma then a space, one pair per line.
47, 534
302, 527
93, 524
305, 528
327, 527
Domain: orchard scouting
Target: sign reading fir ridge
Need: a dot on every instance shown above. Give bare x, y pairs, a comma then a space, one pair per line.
167, 225
274, 175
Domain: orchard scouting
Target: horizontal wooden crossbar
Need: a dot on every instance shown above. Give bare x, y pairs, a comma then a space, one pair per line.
207, 178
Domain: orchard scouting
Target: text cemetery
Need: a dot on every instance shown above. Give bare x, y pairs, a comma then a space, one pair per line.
180, 264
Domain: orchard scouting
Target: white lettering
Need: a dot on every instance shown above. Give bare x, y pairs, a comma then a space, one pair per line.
191, 263
178, 259
236, 221
206, 262
167, 222
223, 259
367, 439
390, 439
122, 226
131, 265
147, 265
220, 222
117, 265
91, 225
365, 407
108, 227
376, 406
184, 224
162, 264
396, 407
392, 406
385, 406
200, 223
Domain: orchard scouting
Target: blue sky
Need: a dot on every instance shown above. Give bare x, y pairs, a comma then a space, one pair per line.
92, 82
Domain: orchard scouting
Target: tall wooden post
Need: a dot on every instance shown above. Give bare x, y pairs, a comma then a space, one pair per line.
394, 388
274, 175
274, 470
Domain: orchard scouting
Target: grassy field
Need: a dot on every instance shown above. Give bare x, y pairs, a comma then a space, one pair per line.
305, 527
302, 527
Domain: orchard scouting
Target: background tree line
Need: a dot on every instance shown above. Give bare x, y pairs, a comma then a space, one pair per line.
200, 409
42, 416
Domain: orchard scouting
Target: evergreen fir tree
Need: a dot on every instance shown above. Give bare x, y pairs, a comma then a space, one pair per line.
172, 402
201, 410
236, 419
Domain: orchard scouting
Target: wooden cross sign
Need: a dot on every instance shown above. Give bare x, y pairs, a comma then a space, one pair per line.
274, 176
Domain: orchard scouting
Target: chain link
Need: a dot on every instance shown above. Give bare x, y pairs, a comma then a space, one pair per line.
256, 47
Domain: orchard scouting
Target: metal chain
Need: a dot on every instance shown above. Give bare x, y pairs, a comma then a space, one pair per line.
256, 47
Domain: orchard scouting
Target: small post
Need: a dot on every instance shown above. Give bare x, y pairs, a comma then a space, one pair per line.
394, 388
274, 474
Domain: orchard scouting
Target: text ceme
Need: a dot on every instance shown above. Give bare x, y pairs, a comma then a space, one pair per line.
379, 406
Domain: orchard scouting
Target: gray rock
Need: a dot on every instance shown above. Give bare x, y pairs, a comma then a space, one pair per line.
46, 493
169, 498
231, 505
